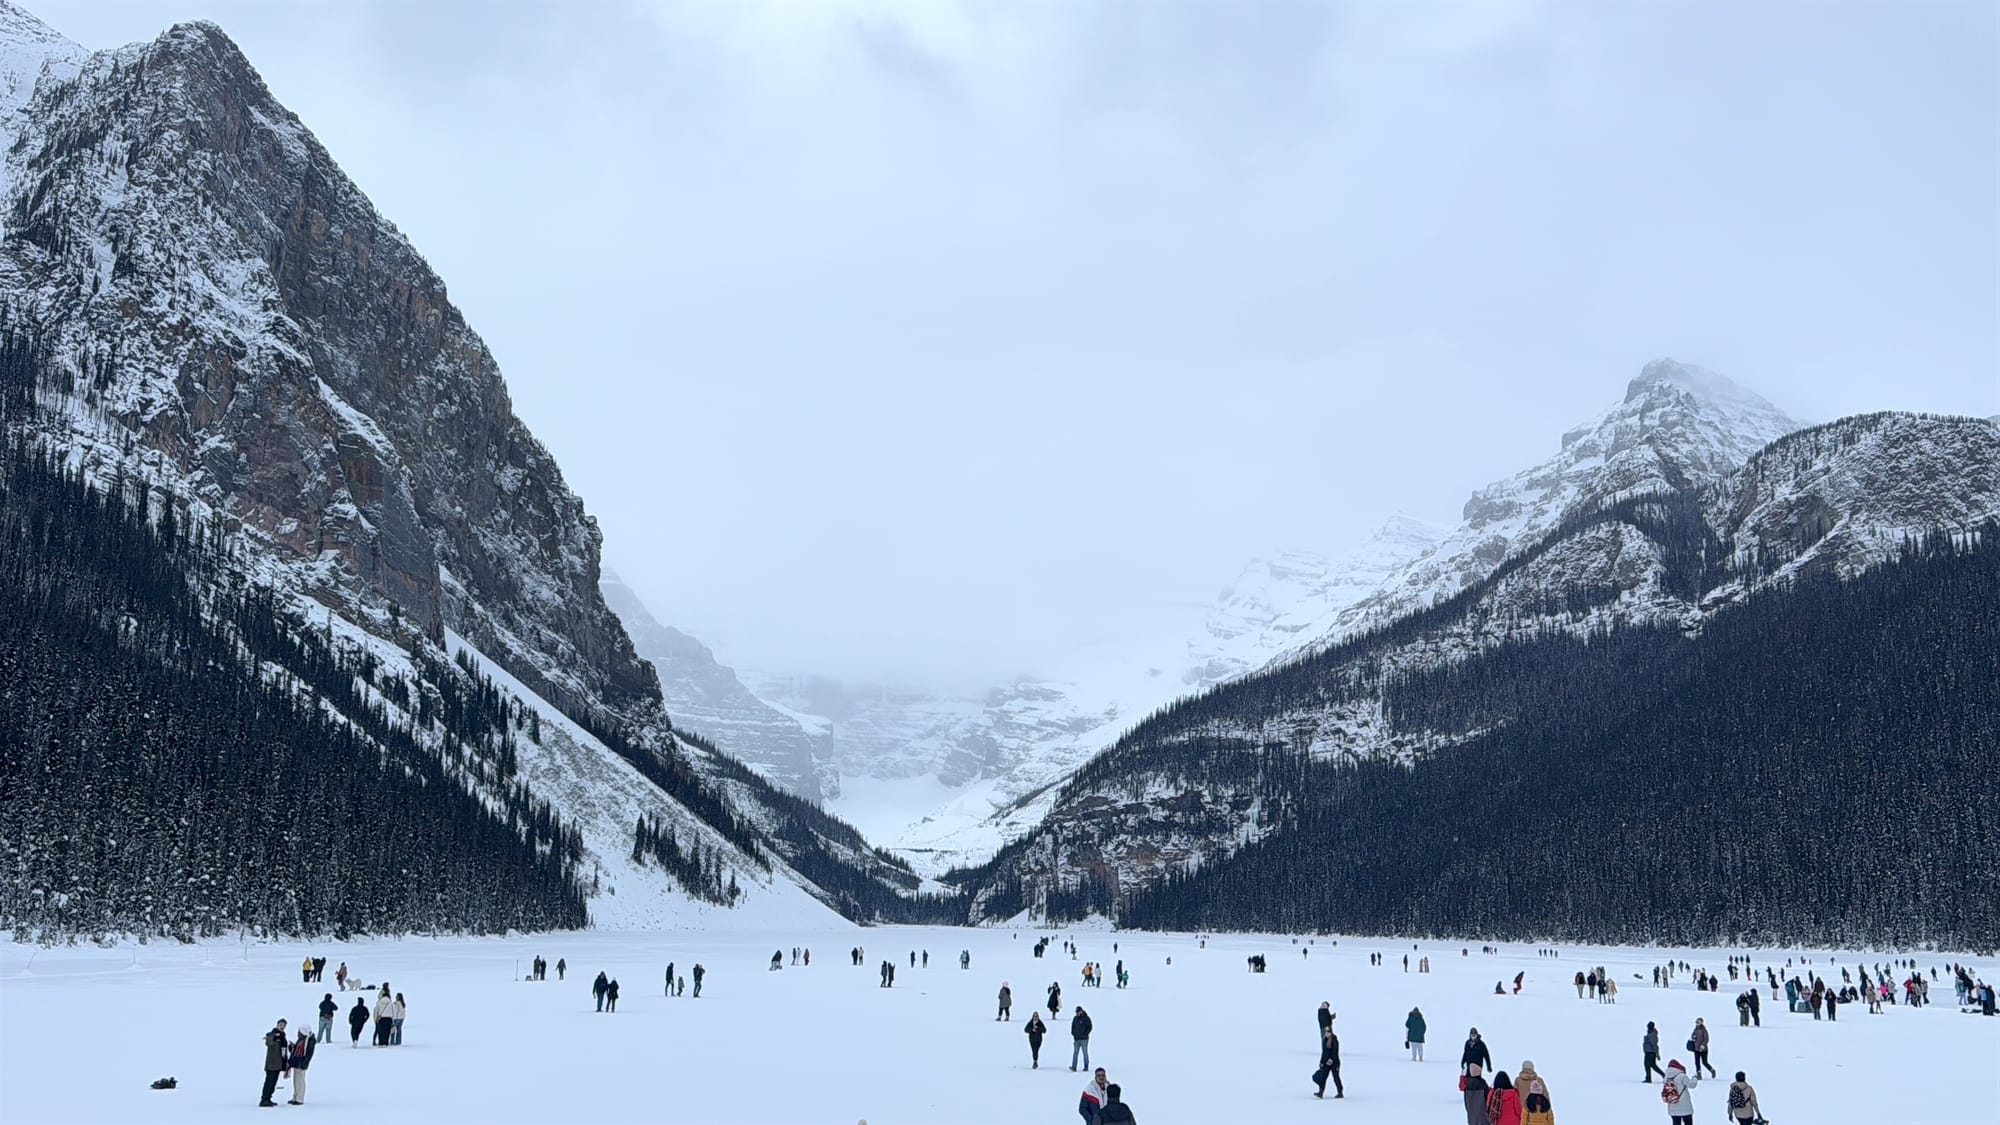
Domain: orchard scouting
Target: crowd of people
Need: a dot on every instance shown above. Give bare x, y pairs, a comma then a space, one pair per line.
1490, 1097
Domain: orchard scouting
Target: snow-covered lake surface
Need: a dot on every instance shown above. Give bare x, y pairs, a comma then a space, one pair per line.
83, 1031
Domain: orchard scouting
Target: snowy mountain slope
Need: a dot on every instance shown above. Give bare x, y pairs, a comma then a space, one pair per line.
192, 294
1834, 499
1678, 426
947, 780
705, 697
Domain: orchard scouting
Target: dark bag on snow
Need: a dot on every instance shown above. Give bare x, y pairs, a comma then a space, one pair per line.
164, 1083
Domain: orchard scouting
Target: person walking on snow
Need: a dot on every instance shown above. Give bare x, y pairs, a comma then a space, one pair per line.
306, 973
1743, 1101
327, 1010
275, 1050
357, 1018
1678, 1093
1473, 1085
1503, 1102
1536, 1106
1413, 1034
1475, 1052
1055, 999
385, 1018
1325, 1018
1698, 1043
1095, 1093
301, 1058
1115, 1111
670, 978
1035, 1029
562, 966
611, 996
1006, 1003
1329, 1065
1649, 1045
700, 972
1079, 1035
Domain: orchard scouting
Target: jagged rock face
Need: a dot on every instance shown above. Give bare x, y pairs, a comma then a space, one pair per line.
1834, 500
250, 328
1678, 427
705, 697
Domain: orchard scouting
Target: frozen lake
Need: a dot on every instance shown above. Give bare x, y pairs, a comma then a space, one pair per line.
83, 1031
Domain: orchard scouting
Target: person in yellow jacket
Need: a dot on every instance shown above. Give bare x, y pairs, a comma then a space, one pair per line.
1537, 1107
306, 970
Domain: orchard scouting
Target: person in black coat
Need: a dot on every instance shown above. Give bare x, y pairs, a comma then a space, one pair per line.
1079, 1034
597, 988
1325, 1017
1035, 1029
1329, 1065
357, 1018
1475, 1052
327, 1010
1115, 1111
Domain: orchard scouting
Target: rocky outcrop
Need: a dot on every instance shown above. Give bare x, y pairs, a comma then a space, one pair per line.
235, 313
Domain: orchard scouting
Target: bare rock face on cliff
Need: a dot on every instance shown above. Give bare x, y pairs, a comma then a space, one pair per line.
235, 314
194, 296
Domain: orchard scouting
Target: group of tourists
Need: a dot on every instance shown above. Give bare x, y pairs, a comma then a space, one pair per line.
289, 1058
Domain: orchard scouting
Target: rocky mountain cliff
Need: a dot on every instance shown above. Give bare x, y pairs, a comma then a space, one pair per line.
192, 294
1640, 530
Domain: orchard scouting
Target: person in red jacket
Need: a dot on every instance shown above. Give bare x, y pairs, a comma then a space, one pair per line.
1503, 1102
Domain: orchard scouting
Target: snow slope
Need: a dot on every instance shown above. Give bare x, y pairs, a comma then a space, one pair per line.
1199, 1041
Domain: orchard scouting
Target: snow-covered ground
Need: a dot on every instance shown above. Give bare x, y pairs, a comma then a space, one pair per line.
83, 1031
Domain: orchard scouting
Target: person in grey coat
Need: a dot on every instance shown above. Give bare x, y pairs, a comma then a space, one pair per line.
1006, 1003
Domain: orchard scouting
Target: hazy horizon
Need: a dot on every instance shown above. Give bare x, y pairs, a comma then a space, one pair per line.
925, 342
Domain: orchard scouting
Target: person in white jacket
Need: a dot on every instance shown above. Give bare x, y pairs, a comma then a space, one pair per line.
1678, 1093
398, 1010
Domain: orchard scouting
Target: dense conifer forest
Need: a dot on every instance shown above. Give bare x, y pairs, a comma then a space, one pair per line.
1817, 765
172, 764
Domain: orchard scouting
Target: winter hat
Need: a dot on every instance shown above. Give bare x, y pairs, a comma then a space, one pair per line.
1675, 1065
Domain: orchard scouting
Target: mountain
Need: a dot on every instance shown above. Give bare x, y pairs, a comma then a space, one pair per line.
946, 779
1660, 547
706, 698
1795, 773
196, 303
1677, 426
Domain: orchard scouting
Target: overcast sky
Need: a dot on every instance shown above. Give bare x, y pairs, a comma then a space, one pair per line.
928, 340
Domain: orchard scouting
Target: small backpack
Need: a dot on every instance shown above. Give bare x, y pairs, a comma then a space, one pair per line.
1736, 1098
1670, 1092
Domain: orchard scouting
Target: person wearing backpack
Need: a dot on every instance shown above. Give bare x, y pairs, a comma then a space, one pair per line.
1650, 1045
1743, 1101
1006, 1003
1413, 1034
1678, 1093
327, 1010
1503, 1102
1536, 1108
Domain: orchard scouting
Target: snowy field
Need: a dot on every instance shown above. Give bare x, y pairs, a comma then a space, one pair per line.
83, 1031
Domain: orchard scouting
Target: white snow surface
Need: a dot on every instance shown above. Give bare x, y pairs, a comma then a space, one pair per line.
86, 1029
